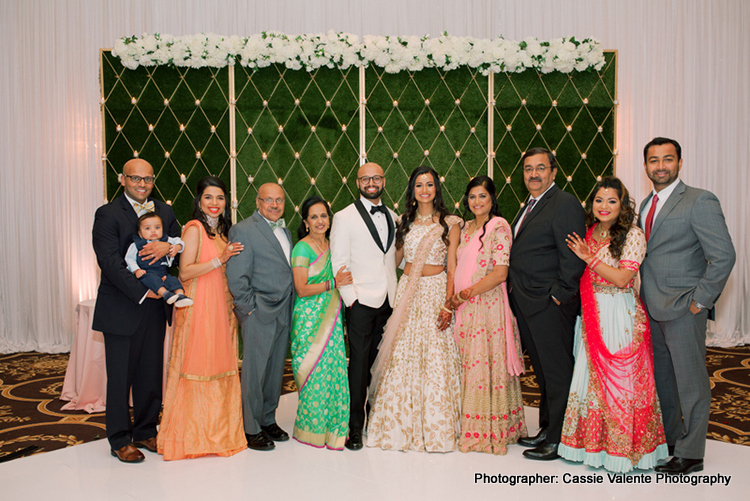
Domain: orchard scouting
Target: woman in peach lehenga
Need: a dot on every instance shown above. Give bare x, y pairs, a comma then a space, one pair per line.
202, 403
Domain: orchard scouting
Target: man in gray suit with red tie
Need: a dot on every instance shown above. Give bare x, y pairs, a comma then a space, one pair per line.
688, 260
260, 279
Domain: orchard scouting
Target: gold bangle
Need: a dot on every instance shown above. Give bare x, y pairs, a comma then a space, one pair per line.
447, 310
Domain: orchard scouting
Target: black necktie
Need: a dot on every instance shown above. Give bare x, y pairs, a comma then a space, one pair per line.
377, 208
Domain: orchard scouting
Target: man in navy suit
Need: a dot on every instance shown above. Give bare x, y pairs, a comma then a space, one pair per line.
131, 317
544, 276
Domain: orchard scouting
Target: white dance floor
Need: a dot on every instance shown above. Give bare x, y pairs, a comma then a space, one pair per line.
295, 471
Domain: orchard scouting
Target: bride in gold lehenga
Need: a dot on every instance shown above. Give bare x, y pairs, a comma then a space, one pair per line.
415, 383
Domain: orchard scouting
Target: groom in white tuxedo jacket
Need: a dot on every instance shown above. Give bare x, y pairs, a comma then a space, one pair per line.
362, 240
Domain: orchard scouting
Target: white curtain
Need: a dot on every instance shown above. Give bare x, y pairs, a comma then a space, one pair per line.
683, 72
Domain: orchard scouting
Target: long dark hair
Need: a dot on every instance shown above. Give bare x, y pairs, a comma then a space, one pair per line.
304, 211
489, 185
619, 229
410, 214
225, 219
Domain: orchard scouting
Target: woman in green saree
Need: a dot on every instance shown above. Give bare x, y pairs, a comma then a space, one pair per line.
318, 354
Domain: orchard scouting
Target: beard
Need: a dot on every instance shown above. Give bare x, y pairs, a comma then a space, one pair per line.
371, 196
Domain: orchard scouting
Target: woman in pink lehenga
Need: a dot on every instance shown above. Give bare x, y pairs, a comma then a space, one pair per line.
491, 405
202, 403
613, 417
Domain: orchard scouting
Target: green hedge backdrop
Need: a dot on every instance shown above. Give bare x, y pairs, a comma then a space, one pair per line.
303, 129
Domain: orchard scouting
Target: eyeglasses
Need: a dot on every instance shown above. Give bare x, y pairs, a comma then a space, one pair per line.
539, 168
270, 201
138, 179
374, 179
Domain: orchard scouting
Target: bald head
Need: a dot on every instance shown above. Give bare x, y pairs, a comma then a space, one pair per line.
138, 170
370, 181
271, 201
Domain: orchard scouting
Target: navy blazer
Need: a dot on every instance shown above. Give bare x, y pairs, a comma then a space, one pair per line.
117, 302
541, 264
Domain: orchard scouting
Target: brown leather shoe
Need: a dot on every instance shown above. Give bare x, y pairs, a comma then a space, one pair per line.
149, 443
129, 454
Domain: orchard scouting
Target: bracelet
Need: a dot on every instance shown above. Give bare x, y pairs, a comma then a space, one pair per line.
594, 263
334, 283
217, 262
328, 285
461, 299
447, 310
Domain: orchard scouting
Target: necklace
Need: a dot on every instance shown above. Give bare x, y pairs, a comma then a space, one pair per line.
475, 226
213, 222
320, 249
426, 218
603, 234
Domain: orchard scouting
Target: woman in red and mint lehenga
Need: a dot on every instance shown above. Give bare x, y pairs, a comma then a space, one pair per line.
613, 417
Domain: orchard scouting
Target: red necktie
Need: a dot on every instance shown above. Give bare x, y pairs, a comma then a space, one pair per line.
529, 206
650, 216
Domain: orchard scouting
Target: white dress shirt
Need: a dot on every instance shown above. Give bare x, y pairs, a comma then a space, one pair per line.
520, 219
280, 235
664, 195
379, 219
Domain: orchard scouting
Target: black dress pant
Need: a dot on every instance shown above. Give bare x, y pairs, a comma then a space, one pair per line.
547, 337
135, 362
365, 330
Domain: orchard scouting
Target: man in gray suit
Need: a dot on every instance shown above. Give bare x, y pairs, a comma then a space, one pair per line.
688, 260
260, 279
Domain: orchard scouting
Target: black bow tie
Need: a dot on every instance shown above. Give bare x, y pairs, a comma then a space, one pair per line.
377, 208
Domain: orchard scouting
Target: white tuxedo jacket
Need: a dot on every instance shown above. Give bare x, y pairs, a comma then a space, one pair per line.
355, 244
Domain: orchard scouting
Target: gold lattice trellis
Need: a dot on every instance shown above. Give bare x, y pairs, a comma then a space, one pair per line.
311, 131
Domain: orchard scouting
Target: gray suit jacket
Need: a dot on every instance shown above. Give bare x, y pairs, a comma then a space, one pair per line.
259, 277
689, 254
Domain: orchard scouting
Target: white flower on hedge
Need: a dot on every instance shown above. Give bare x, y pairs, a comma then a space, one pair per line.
533, 47
344, 50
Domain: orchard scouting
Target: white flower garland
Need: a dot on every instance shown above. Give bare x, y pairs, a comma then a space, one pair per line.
343, 50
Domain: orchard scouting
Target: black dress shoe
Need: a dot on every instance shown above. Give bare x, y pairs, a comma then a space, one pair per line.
680, 466
259, 441
543, 452
276, 433
534, 441
354, 442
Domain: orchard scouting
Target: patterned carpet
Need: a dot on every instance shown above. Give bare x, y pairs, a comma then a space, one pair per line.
30, 415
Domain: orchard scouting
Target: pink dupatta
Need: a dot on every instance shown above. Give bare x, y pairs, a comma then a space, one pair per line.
468, 264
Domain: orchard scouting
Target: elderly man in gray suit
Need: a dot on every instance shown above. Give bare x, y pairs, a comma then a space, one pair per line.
688, 260
260, 279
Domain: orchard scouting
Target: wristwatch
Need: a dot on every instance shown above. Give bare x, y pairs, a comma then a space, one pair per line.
698, 305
